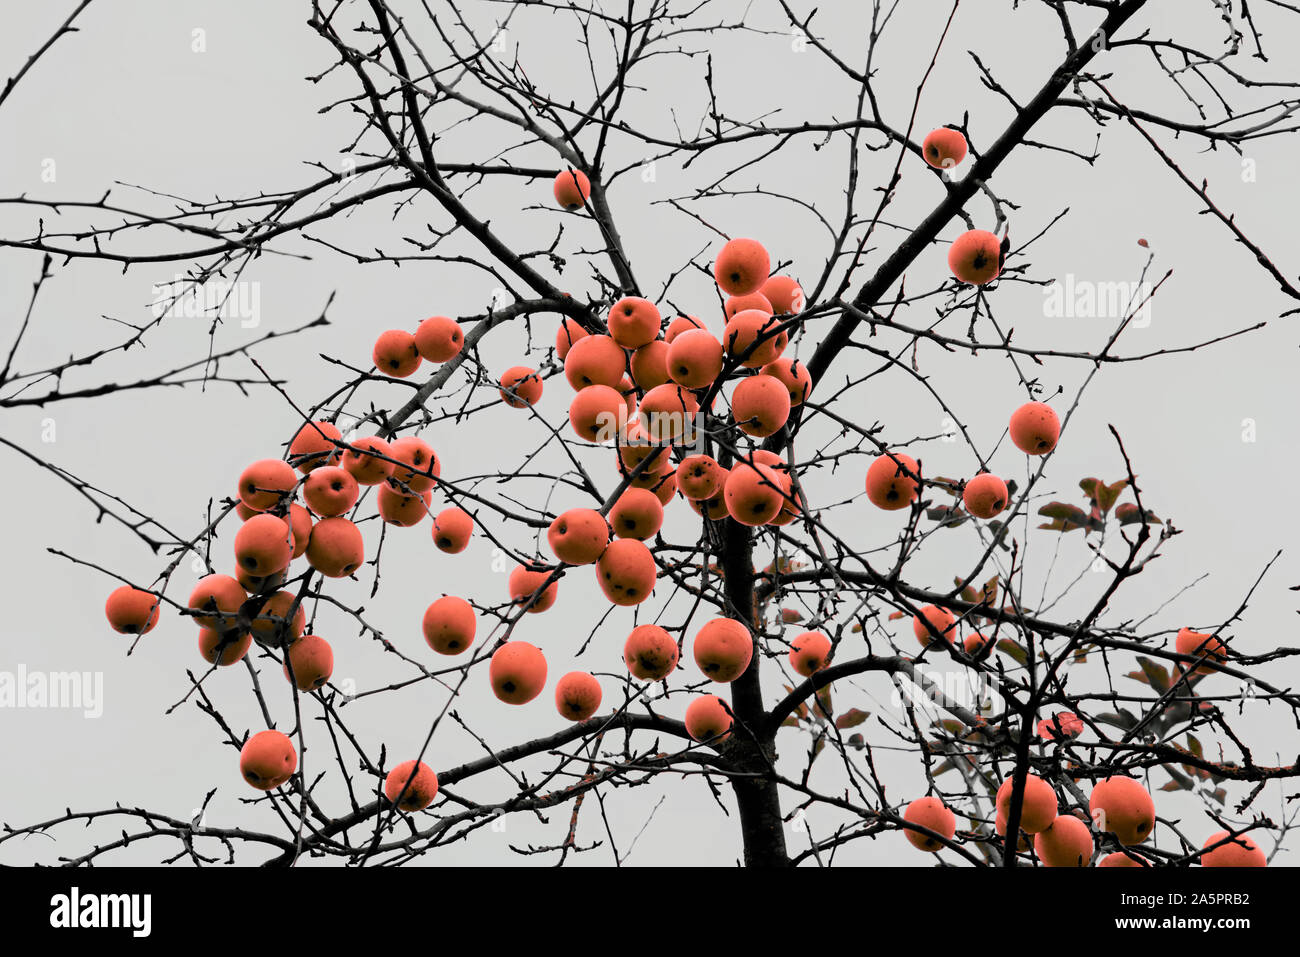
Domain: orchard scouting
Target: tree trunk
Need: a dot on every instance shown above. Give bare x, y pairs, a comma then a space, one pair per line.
761, 827
753, 748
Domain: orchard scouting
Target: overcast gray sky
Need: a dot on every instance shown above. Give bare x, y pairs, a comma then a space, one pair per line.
139, 97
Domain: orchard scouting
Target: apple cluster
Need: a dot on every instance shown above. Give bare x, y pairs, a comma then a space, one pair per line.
638, 383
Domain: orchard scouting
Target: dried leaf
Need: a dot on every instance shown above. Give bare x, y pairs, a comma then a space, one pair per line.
1058, 525
1183, 781
946, 516
1107, 495
1066, 518
1130, 514
1123, 719
851, 718
800, 709
1158, 675
1060, 510
824, 698
990, 590
1014, 649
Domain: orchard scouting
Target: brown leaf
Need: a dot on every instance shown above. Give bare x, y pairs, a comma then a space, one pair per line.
1066, 518
1064, 512
947, 517
1157, 673
851, 718
1013, 648
1108, 494
1057, 525
990, 590
1182, 780
1122, 719
1130, 514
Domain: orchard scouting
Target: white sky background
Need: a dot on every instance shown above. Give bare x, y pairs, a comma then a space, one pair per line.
128, 100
